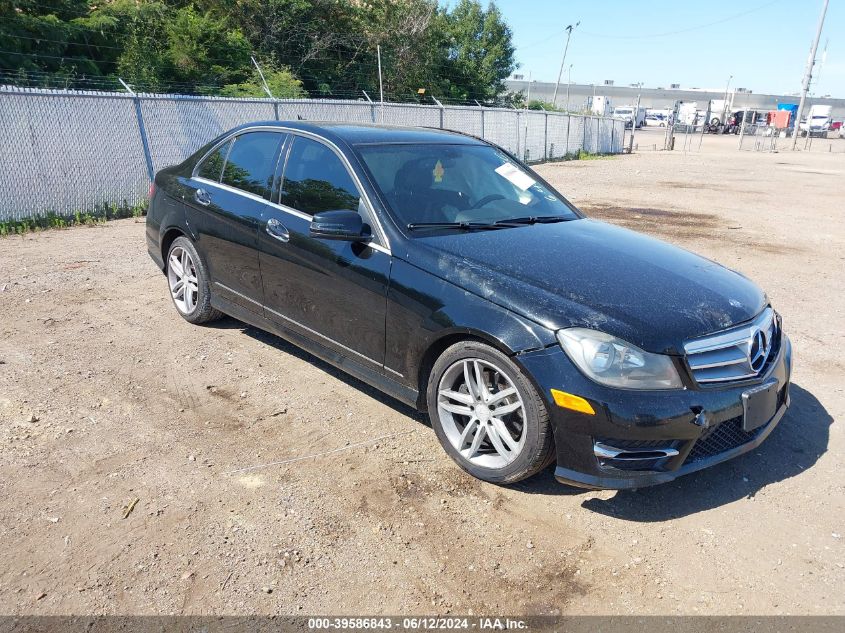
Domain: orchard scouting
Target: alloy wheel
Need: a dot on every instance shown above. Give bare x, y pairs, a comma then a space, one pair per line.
481, 412
182, 277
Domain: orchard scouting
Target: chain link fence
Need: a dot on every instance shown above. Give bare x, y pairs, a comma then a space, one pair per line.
63, 152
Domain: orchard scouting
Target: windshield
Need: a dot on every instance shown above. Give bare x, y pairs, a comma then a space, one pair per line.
458, 183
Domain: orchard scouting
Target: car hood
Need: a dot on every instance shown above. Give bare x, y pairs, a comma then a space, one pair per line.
591, 274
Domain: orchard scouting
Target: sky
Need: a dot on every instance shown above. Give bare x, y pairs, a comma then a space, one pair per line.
696, 44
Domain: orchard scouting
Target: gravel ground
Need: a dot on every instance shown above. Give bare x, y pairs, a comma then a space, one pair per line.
124, 432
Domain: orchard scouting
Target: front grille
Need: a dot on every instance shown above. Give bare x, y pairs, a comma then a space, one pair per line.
726, 436
737, 354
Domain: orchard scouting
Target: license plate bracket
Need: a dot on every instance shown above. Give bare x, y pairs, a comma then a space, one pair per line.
759, 405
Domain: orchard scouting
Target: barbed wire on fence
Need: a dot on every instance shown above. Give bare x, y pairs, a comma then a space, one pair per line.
64, 151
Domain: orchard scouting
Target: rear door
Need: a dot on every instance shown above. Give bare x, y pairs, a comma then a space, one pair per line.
227, 199
334, 292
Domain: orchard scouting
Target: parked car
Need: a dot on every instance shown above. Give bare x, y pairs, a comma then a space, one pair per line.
655, 120
445, 272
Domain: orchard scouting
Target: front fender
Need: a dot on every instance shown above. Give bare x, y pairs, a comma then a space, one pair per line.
424, 309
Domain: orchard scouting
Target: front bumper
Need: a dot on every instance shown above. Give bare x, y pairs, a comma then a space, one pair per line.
643, 420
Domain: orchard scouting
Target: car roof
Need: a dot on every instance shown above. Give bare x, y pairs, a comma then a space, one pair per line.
366, 133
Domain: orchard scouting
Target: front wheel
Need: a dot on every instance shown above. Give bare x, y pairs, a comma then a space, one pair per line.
487, 414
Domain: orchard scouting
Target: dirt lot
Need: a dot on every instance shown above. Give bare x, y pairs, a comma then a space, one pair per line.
107, 396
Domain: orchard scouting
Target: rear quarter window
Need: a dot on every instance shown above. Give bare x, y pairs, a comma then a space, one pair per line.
212, 166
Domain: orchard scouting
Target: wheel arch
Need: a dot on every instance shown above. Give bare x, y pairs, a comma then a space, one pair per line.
168, 236
443, 342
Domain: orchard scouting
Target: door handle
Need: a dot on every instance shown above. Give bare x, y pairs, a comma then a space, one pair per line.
277, 230
201, 196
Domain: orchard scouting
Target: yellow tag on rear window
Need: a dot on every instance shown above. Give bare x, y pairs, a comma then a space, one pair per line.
438, 172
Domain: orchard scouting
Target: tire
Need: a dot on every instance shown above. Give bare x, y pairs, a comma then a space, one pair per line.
523, 414
193, 303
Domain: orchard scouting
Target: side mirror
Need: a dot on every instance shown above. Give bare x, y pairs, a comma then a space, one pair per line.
340, 225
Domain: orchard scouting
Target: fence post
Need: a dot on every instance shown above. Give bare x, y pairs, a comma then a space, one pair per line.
546, 137
598, 136
584, 135
483, 132
568, 124
276, 110
612, 133
440, 105
145, 144
372, 107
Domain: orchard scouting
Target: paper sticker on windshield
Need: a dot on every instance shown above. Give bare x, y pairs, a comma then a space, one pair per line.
515, 176
438, 172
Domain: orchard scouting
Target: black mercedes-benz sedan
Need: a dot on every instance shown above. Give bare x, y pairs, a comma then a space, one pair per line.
442, 270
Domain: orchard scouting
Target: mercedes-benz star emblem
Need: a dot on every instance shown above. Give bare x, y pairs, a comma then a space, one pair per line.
758, 350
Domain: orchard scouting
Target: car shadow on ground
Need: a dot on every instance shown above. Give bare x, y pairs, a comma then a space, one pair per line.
793, 447
289, 348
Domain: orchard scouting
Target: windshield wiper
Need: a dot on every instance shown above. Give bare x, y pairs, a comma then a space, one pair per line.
463, 226
536, 219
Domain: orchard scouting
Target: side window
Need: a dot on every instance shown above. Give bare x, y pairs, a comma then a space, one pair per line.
212, 166
251, 162
317, 180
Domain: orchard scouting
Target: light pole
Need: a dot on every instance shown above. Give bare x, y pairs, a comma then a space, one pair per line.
569, 30
808, 76
724, 114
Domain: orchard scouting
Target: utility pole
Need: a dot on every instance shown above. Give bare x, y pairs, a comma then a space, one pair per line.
380, 84
569, 30
636, 116
808, 76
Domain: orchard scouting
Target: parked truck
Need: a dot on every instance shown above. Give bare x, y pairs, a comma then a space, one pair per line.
717, 113
793, 110
687, 113
632, 115
600, 106
817, 122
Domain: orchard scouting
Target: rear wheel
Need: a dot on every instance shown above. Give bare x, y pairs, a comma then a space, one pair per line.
187, 279
487, 414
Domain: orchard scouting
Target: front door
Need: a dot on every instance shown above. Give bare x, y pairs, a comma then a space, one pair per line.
335, 292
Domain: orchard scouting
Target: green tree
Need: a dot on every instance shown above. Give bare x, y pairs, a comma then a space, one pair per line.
329, 46
41, 37
282, 84
203, 49
480, 51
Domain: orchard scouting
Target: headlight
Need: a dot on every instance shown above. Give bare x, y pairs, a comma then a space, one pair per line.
613, 362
